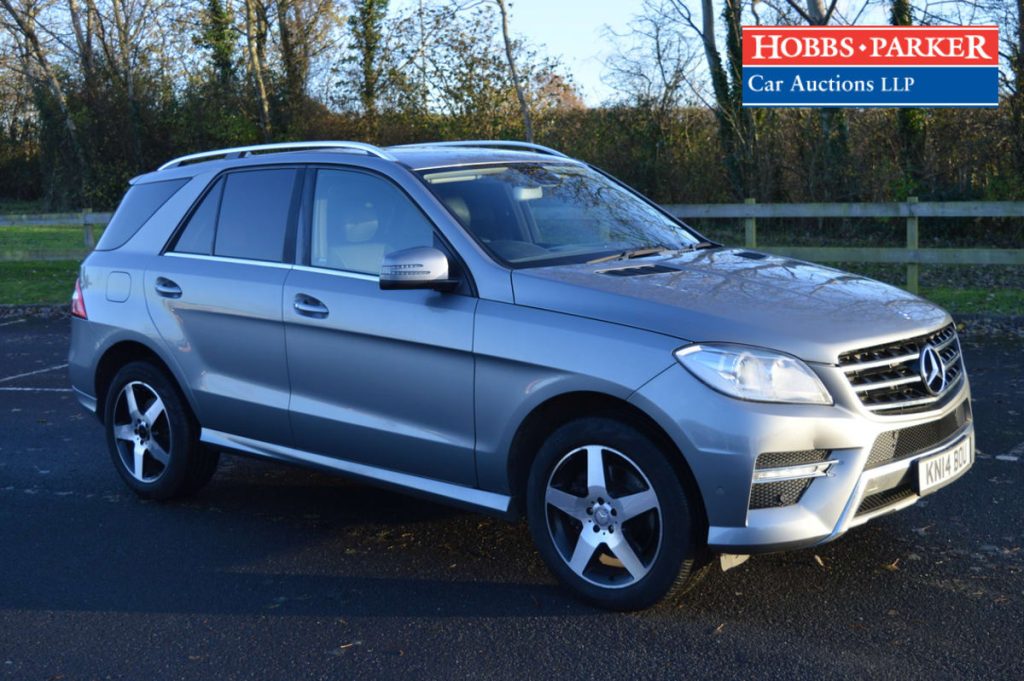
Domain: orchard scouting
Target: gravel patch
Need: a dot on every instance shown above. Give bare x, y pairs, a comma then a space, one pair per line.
982, 325
35, 311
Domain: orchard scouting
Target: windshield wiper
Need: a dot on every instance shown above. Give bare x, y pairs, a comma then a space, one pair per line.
627, 255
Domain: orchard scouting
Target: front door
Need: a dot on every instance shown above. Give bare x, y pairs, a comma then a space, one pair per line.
383, 378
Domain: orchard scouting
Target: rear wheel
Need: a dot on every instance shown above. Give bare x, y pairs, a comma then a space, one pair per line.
153, 437
610, 516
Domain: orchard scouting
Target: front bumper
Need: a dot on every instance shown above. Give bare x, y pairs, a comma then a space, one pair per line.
722, 437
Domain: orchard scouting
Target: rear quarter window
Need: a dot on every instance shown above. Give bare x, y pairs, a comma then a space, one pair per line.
137, 206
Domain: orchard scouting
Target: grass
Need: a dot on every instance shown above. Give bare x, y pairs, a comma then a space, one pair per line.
20, 243
972, 300
37, 282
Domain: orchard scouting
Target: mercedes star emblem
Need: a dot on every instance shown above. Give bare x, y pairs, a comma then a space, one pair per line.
932, 370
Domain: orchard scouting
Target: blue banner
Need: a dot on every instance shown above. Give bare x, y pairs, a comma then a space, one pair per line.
870, 86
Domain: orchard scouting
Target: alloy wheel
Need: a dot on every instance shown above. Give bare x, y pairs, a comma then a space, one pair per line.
603, 516
142, 431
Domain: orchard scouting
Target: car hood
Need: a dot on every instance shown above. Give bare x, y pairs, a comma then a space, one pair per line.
737, 296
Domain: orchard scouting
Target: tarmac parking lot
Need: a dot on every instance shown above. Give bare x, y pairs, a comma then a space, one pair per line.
279, 573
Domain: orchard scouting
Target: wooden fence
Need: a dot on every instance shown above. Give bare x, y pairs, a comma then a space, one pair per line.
86, 218
911, 210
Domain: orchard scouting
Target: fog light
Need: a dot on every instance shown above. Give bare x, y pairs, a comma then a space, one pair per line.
809, 470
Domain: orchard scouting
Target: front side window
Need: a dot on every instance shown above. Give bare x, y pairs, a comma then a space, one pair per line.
254, 210
536, 214
358, 218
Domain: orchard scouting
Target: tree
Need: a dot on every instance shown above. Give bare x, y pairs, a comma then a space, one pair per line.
218, 36
653, 69
738, 130
255, 40
20, 21
366, 26
524, 108
911, 123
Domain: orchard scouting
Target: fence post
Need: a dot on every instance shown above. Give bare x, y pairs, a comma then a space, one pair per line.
750, 227
90, 240
913, 269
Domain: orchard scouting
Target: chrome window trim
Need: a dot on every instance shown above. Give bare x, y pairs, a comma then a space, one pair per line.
470, 496
229, 259
347, 274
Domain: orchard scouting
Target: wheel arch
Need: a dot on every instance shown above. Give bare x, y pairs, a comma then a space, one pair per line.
556, 411
124, 352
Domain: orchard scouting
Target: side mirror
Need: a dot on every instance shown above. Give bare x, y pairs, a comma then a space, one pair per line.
416, 268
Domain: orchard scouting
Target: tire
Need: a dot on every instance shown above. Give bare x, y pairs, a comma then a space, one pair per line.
154, 444
624, 539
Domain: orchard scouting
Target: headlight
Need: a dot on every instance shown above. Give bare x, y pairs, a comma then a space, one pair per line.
753, 373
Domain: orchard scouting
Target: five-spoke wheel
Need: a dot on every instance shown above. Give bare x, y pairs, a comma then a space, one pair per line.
603, 516
610, 514
142, 433
153, 437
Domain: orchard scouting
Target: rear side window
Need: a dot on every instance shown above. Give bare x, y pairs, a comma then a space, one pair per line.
137, 206
197, 236
254, 214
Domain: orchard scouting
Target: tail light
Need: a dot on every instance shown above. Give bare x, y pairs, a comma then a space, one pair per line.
77, 302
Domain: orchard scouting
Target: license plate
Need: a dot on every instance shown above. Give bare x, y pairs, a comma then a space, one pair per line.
943, 468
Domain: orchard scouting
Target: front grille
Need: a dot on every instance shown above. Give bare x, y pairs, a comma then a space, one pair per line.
780, 493
887, 377
777, 494
899, 444
888, 497
781, 459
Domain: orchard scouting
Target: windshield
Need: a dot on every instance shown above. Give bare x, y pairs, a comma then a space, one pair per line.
540, 214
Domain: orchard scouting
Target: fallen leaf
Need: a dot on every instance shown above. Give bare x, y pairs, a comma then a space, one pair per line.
893, 566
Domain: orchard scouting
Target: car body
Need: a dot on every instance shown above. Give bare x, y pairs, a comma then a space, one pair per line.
790, 401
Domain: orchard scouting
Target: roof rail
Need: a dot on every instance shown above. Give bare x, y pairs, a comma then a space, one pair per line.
500, 144
239, 152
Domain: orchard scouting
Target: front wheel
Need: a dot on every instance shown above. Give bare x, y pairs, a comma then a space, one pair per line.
610, 515
153, 437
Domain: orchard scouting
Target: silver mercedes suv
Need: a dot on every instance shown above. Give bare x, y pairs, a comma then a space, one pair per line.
499, 326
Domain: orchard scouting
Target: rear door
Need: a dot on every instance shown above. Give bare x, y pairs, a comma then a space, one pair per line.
215, 297
383, 378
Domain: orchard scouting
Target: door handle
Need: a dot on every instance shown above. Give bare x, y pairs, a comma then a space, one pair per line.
308, 306
167, 288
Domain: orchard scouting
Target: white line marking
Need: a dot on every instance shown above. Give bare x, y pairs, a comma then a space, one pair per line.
1012, 455
16, 321
33, 373
35, 390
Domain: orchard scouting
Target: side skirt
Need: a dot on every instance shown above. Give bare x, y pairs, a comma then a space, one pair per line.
459, 495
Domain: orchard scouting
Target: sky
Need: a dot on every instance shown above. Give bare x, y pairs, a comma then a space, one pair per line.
573, 31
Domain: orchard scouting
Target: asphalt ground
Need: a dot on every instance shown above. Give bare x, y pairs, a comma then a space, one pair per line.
278, 573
